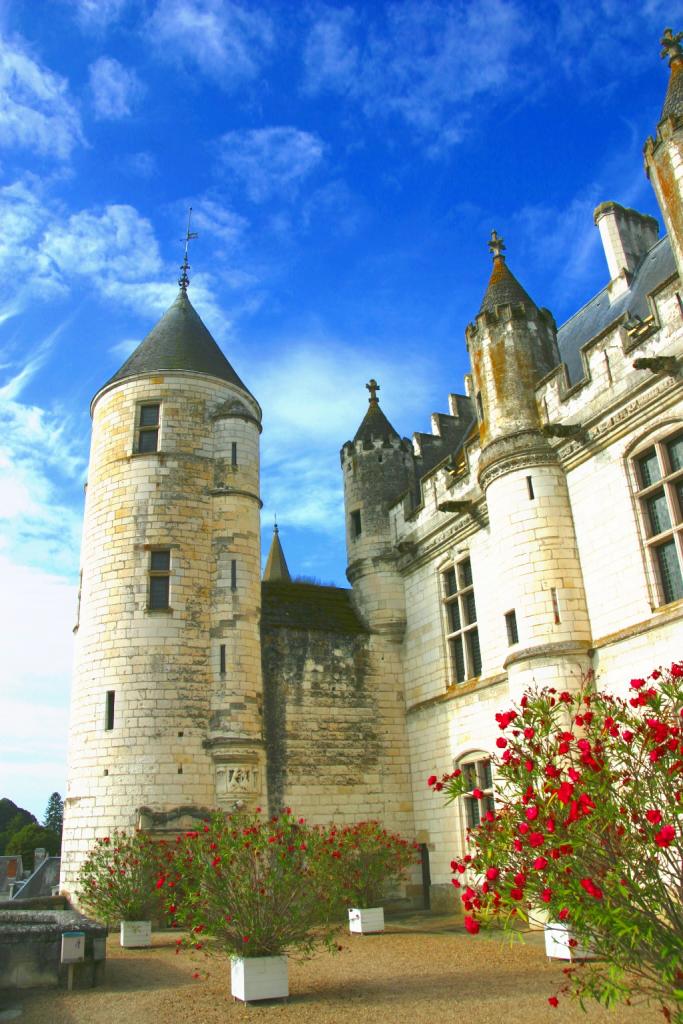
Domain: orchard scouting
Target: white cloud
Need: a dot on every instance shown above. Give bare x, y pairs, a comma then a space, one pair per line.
36, 112
270, 161
211, 217
115, 89
122, 349
141, 164
222, 39
98, 14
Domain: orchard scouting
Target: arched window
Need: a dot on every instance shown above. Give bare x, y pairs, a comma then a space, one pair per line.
479, 798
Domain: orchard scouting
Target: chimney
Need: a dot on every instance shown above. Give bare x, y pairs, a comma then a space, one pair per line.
626, 236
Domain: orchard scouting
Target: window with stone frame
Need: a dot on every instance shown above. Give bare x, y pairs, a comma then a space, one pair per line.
148, 427
659, 493
479, 799
460, 611
159, 579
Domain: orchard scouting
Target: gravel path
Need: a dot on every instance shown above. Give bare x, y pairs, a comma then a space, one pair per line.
423, 970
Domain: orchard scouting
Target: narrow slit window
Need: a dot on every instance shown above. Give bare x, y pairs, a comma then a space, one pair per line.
511, 626
556, 607
356, 523
480, 407
159, 578
148, 428
109, 710
234, 453
233, 574
222, 659
530, 488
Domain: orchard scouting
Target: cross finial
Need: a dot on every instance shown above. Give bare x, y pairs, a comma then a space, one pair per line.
671, 45
275, 527
373, 388
184, 279
496, 245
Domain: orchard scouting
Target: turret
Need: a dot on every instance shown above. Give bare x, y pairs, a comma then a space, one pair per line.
276, 564
378, 468
539, 591
664, 152
167, 692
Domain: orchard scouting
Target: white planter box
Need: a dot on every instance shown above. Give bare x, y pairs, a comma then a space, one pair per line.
366, 922
259, 977
557, 936
136, 934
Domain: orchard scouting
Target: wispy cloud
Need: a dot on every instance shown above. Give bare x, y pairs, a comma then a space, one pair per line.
96, 15
270, 161
141, 164
224, 40
36, 112
114, 89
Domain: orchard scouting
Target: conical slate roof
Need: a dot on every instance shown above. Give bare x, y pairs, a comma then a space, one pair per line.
375, 426
180, 341
673, 104
503, 288
276, 566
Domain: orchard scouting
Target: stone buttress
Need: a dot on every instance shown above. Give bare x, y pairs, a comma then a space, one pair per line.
512, 345
166, 703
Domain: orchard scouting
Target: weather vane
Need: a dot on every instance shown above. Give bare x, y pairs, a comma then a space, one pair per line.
496, 245
373, 388
184, 279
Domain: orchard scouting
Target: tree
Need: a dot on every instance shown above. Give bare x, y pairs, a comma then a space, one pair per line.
54, 814
12, 819
589, 824
30, 838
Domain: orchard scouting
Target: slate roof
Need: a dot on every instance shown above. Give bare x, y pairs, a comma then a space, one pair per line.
276, 566
656, 267
180, 341
308, 606
375, 426
673, 104
503, 288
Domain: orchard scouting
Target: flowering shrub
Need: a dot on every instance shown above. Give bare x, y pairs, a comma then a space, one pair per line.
371, 862
117, 880
254, 887
589, 824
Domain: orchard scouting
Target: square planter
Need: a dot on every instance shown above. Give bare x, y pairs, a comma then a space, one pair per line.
557, 936
136, 934
366, 922
259, 977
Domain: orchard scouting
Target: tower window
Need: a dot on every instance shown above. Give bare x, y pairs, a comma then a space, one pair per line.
461, 622
480, 407
109, 710
530, 488
148, 427
659, 491
233, 574
356, 524
222, 659
159, 578
234, 453
511, 626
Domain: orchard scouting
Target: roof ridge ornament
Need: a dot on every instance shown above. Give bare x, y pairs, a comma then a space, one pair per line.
373, 387
496, 245
184, 279
671, 46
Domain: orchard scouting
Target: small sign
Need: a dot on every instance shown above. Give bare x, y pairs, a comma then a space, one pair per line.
73, 947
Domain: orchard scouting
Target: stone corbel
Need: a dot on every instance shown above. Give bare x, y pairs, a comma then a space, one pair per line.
659, 364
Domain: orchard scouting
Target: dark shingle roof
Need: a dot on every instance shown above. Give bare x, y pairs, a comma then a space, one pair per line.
375, 426
276, 566
179, 341
656, 267
503, 288
308, 606
673, 104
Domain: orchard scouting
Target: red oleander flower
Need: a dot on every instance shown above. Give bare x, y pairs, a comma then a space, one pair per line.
591, 888
654, 817
477, 793
553, 1000
471, 925
492, 874
665, 836
431, 780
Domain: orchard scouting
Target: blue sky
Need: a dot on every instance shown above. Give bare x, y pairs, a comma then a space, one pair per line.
346, 164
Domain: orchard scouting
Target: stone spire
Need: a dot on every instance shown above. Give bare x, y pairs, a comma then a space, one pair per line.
375, 425
503, 288
276, 566
671, 50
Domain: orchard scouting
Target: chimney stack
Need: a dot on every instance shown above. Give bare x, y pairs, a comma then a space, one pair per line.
626, 236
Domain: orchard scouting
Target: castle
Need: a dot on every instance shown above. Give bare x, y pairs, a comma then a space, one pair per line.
535, 534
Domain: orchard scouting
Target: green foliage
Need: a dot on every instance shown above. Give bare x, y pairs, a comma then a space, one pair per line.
589, 824
372, 862
54, 814
12, 819
255, 887
117, 880
30, 838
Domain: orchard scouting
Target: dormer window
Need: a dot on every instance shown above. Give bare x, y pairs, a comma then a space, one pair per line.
148, 427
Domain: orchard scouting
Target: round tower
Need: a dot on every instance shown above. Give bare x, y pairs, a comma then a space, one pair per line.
664, 152
539, 586
167, 692
377, 467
